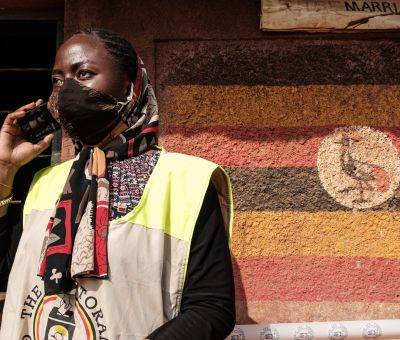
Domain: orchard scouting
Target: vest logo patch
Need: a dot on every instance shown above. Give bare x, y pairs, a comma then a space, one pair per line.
64, 317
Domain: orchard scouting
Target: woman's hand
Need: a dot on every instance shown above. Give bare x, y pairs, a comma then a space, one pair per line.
15, 150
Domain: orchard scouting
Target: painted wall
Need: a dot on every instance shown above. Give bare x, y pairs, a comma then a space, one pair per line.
316, 234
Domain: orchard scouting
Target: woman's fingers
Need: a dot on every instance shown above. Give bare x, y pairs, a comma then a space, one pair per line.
11, 119
43, 144
14, 115
26, 107
19, 113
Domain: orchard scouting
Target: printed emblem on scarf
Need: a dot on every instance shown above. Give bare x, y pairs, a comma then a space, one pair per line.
359, 167
63, 317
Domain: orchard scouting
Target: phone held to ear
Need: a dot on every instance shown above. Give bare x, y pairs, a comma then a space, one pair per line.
38, 123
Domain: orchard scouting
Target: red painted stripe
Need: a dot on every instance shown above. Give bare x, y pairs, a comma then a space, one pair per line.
254, 148
294, 278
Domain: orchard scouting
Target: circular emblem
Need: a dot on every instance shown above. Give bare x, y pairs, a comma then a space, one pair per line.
303, 332
337, 332
237, 334
358, 166
269, 333
372, 331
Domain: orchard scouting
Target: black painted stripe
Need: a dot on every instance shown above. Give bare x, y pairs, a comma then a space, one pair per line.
279, 62
293, 189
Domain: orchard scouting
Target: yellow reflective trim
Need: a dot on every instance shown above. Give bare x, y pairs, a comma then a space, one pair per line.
223, 185
46, 187
166, 207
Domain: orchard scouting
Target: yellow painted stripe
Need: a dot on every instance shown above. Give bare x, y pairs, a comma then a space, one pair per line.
303, 311
375, 234
283, 106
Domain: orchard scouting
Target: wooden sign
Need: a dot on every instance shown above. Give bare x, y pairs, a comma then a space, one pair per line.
329, 15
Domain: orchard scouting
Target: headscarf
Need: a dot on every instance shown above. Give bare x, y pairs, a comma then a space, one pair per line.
75, 244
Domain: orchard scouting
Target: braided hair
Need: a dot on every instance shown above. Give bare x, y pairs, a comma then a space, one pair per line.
119, 48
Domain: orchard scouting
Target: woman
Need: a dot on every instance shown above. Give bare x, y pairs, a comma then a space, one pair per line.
126, 241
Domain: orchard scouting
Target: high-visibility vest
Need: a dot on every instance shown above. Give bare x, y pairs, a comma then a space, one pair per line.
148, 253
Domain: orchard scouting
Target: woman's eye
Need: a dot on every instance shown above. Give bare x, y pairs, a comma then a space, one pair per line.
57, 81
84, 74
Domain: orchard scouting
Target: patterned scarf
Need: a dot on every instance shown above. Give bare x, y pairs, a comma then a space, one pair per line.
75, 244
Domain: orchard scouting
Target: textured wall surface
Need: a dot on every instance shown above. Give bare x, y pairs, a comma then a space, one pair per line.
308, 129
262, 109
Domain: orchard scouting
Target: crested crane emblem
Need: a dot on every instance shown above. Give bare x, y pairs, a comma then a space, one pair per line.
359, 166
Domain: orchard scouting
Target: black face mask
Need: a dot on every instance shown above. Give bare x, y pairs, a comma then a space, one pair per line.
86, 114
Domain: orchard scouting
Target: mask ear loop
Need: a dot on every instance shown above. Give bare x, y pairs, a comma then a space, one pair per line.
121, 105
136, 87
129, 98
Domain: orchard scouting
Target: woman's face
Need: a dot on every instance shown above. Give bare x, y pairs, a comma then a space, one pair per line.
85, 59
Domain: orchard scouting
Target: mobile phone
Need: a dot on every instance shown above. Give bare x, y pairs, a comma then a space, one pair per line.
38, 123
